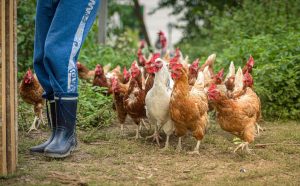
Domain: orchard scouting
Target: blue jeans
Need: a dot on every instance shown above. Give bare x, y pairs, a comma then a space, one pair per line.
61, 27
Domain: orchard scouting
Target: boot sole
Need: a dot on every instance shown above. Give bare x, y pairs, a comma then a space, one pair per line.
55, 155
35, 153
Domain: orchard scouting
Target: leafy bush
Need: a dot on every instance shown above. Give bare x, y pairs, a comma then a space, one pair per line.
269, 31
276, 73
25, 31
122, 54
94, 109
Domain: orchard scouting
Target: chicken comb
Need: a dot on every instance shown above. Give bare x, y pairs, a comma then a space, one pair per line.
98, 66
114, 80
250, 62
114, 83
125, 71
29, 72
176, 66
176, 57
212, 87
160, 33
177, 52
195, 64
134, 67
162, 39
220, 74
248, 78
154, 57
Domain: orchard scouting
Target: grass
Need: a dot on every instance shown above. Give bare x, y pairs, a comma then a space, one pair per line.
106, 158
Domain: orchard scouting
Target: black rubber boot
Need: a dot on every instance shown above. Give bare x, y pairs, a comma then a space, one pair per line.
51, 115
64, 141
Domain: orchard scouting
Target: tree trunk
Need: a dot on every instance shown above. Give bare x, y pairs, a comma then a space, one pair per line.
137, 10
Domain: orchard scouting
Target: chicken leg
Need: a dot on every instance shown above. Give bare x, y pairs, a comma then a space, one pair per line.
144, 124
40, 118
179, 146
122, 130
167, 143
137, 133
258, 128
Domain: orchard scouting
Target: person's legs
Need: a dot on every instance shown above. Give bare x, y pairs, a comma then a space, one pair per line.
70, 25
45, 10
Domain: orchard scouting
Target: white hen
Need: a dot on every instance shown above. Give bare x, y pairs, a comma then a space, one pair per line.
157, 101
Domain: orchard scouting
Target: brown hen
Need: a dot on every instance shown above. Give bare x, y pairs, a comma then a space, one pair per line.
31, 92
188, 109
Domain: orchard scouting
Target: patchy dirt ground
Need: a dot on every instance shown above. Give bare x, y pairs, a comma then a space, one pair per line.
106, 158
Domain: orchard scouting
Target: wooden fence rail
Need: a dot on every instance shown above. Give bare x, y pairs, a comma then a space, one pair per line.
8, 88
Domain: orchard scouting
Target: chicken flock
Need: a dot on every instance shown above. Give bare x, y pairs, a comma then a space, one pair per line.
176, 96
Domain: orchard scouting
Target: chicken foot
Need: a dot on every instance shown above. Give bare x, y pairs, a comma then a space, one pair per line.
33, 125
156, 137
196, 150
242, 146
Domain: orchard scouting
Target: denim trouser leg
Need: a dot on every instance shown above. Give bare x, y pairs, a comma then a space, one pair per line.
45, 10
71, 22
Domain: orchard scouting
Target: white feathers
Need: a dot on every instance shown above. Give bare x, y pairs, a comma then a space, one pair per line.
231, 71
206, 75
163, 76
238, 82
212, 57
200, 80
186, 60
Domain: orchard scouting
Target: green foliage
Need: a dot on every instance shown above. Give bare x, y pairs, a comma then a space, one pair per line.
25, 30
276, 73
195, 14
94, 109
269, 31
126, 13
25, 115
122, 54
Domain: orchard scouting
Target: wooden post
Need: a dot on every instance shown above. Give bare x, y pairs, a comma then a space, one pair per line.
8, 88
102, 22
